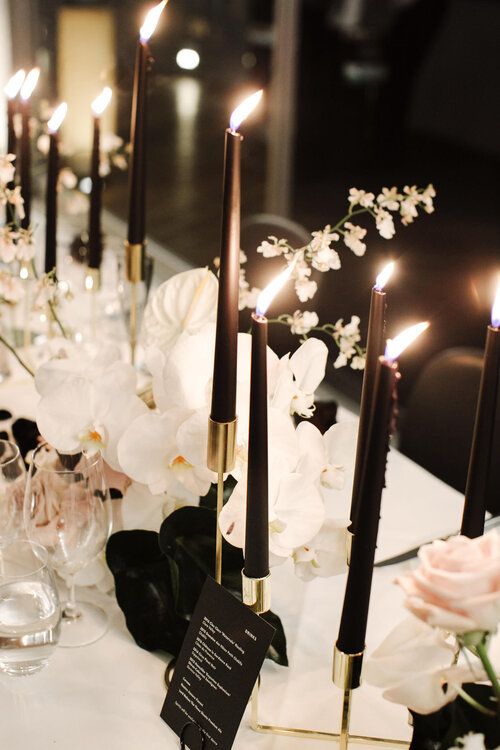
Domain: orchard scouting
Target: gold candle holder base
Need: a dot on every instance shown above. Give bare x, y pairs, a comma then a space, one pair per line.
347, 676
134, 265
257, 593
92, 279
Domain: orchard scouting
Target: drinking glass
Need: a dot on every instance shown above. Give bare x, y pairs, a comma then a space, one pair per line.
66, 511
30, 613
12, 485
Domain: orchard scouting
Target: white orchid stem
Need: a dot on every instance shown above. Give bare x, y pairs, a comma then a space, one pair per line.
196, 296
16, 355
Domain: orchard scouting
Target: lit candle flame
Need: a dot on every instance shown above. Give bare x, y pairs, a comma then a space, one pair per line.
101, 102
395, 347
244, 109
29, 83
495, 310
57, 118
151, 21
13, 85
271, 290
384, 276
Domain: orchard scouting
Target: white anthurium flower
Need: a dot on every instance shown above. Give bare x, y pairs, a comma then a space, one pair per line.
90, 411
188, 369
184, 303
149, 453
412, 665
327, 459
296, 513
325, 554
299, 377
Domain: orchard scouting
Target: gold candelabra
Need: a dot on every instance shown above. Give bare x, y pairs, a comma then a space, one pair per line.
134, 264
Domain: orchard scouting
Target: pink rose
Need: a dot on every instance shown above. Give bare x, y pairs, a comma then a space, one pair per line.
457, 585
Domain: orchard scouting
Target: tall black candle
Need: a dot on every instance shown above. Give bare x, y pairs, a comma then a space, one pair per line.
257, 510
352, 632
374, 349
481, 456
257, 516
25, 171
51, 193
223, 407
137, 166
95, 235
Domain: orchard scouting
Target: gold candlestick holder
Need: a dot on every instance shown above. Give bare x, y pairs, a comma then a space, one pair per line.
134, 265
257, 593
221, 456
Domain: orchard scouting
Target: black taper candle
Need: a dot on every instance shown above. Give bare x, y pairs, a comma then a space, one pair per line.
25, 168
95, 235
481, 456
226, 340
51, 204
352, 632
374, 349
257, 513
137, 179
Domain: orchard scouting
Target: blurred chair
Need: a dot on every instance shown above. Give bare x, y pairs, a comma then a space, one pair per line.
258, 227
436, 430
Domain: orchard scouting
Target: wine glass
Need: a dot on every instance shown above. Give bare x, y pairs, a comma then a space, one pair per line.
30, 613
12, 486
66, 511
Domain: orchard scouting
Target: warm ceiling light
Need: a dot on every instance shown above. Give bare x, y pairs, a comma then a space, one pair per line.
187, 59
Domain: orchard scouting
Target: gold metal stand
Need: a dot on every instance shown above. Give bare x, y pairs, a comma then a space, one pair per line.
346, 676
257, 593
348, 546
221, 455
134, 263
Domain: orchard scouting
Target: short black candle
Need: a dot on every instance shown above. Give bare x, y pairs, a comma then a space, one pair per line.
374, 349
226, 338
481, 456
257, 512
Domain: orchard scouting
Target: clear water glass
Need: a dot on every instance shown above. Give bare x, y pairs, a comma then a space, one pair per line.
12, 486
30, 612
66, 511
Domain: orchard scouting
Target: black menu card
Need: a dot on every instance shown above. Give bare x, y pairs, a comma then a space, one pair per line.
217, 667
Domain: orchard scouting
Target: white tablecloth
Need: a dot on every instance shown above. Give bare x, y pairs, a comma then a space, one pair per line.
108, 696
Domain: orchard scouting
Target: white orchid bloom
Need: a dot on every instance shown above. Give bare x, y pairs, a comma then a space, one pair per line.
149, 453
299, 377
184, 303
87, 409
296, 513
325, 554
328, 459
412, 665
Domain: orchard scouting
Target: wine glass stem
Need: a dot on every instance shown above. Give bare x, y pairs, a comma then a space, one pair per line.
71, 611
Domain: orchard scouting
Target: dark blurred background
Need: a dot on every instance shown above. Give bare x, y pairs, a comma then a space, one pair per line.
364, 93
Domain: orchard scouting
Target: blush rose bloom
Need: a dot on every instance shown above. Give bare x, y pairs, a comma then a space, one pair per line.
457, 585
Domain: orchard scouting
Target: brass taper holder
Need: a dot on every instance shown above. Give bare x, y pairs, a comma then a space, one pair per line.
134, 266
257, 593
92, 279
221, 456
